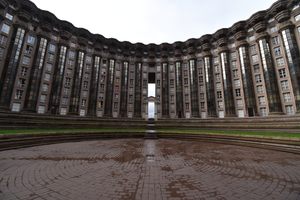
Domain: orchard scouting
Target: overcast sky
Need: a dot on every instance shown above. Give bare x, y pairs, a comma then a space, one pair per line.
153, 21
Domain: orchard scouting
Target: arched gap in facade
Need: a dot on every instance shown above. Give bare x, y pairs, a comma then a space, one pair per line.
151, 96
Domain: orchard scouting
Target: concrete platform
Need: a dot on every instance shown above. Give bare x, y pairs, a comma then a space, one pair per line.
148, 169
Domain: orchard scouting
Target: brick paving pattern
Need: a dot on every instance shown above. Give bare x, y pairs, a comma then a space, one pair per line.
148, 169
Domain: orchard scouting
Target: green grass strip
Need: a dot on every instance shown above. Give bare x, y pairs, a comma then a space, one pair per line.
246, 133
72, 130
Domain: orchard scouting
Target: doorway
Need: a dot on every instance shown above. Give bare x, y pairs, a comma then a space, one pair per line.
151, 96
151, 100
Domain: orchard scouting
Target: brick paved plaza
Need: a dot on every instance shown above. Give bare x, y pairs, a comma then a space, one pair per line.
148, 169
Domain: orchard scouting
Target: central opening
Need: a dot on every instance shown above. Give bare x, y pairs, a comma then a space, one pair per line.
151, 95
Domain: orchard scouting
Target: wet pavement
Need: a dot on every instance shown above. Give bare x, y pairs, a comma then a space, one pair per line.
148, 169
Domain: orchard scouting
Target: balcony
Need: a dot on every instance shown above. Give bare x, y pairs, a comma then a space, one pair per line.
260, 26
282, 16
240, 35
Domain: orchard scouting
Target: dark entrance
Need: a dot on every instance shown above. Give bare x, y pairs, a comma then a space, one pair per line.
151, 77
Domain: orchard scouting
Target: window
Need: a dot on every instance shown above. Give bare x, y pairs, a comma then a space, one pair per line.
3, 40
237, 83
66, 91
186, 81
233, 65
47, 77
260, 89
19, 94
84, 93
239, 102
41, 109
63, 111
71, 54
251, 38
263, 112
280, 62
85, 84
82, 112
48, 67
287, 97
297, 18
24, 71
172, 82
187, 106
238, 92
16, 107
21, 82
1, 53
9, 16
83, 102
45, 87
284, 85
235, 73
26, 60
219, 94
218, 86
277, 51
218, 77
201, 96
220, 104
216, 60
261, 100
52, 48
200, 79
255, 58
217, 68
68, 82
88, 59
256, 68
202, 105
253, 49
31, 39
50, 58
282, 73
275, 40
115, 105
289, 110
28, 49
258, 78
233, 56
5, 28
64, 101
43, 98
273, 29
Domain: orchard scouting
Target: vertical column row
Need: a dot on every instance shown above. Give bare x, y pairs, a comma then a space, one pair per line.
186, 89
11, 72
237, 85
6, 34
159, 89
117, 89
46, 80
172, 89
165, 90
66, 69
102, 88
131, 88
20, 82
144, 105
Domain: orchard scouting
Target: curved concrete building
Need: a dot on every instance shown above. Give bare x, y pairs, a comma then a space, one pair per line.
48, 66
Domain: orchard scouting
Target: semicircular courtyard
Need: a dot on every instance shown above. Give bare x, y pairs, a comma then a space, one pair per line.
148, 169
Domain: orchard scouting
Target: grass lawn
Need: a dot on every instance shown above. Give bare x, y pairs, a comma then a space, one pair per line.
246, 133
71, 130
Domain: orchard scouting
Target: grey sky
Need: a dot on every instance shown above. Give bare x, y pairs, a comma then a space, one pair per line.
153, 21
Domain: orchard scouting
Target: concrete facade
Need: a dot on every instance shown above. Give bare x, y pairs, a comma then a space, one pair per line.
48, 66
